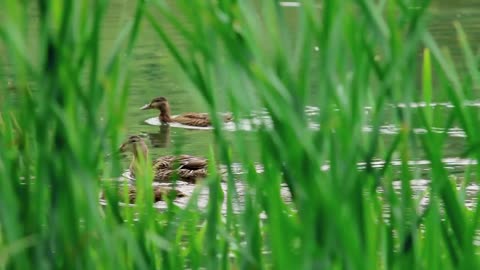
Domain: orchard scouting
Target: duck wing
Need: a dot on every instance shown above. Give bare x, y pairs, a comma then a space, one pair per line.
189, 168
193, 121
164, 162
195, 115
192, 162
227, 117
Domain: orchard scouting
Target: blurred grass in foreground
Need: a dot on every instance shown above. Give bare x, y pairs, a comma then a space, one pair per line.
342, 57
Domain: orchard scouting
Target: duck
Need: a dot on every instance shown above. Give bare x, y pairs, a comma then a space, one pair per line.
190, 119
159, 193
188, 168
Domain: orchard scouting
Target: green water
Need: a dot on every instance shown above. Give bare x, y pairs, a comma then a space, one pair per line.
154, 74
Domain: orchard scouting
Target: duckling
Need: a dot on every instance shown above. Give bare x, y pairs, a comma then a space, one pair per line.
189, 169
191, 119
159, 193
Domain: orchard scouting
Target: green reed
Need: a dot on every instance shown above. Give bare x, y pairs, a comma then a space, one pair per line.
342, 57
67, 112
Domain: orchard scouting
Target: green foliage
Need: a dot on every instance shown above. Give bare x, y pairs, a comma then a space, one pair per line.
67, 112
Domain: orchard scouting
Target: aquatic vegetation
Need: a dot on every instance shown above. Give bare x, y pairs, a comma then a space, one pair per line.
342, 57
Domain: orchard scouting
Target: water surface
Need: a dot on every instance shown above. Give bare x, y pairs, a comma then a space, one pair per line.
155, 74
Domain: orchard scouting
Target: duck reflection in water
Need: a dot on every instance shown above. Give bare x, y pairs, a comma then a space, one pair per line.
160, 139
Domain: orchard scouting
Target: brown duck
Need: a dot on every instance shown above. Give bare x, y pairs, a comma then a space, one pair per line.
159, 193
187, 168
191, 119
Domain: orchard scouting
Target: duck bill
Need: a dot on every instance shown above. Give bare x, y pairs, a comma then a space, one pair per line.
146, 107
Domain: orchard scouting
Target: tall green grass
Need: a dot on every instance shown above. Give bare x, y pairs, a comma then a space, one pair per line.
344, 56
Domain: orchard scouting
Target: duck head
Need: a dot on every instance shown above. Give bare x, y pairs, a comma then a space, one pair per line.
137, 146
161, 104
132, 144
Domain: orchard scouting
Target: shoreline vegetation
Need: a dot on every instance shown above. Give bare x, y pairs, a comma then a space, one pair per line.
340, 57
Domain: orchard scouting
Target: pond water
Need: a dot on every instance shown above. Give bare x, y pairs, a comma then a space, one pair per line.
154, 74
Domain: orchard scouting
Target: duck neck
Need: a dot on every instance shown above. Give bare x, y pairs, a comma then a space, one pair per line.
140, 155
165, 117
165, 113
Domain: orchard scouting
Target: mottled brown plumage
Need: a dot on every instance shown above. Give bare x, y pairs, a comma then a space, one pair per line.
190, 119
185, 167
